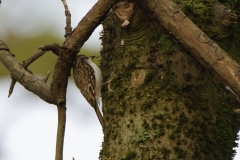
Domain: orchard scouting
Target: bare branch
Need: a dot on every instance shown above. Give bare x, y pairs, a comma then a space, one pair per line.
72, 45
3, 46
55, 48
68, 28
26, 63
13, 82
68, 52
45, 79
31, 59
26, 79
88, 24
60, 131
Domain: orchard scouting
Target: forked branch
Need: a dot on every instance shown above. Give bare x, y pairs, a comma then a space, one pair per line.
26, 79
67, 53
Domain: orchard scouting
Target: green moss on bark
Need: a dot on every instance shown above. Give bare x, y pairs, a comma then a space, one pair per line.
178, 112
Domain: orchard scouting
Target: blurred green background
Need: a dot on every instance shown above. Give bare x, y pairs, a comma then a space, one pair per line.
24, 47
27, 123
24, 26
27, 24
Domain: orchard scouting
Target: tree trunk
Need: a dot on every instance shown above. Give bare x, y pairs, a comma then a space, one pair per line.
165, 105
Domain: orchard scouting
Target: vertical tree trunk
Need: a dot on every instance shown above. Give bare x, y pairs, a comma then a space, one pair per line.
165, 105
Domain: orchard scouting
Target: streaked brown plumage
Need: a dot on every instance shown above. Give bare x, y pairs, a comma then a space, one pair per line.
88, 79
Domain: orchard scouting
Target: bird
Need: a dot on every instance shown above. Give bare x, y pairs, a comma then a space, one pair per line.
88, 78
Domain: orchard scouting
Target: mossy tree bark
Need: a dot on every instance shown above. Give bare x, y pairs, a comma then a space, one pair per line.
165, 105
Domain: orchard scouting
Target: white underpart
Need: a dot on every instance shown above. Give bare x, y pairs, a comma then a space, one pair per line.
99, 79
